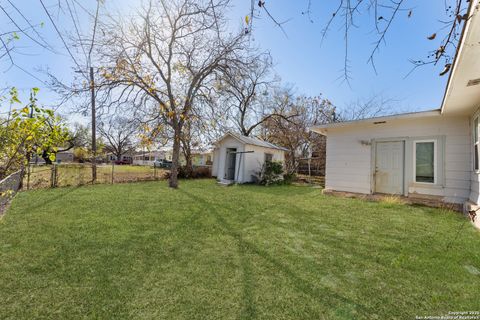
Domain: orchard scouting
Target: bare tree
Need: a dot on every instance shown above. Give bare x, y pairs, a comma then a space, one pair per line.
374, 106
118, 133
302, 113
160, 58
245, 93
383, 14
242, 86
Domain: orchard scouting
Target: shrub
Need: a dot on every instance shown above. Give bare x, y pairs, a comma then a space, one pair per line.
197, 173
288, 178
272, 173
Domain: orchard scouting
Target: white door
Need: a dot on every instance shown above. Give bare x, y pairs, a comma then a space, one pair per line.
389, 166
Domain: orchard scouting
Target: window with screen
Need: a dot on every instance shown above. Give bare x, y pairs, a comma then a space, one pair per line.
425, 161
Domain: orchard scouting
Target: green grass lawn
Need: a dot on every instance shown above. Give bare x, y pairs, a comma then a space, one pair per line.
144, 251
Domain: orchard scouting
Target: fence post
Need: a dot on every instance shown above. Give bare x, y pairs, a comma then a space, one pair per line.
52, 176
155, 171
309, 171
28, 176
113, 171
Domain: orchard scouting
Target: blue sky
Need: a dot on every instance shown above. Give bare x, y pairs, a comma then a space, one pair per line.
300, 59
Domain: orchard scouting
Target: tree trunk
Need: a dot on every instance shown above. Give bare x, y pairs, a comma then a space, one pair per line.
46, 157
291, 162
118, 155
189, 164
173, 180
187, 153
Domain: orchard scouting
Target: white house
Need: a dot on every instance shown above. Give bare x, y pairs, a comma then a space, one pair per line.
239, 159
127, 157
432, 153
147, 158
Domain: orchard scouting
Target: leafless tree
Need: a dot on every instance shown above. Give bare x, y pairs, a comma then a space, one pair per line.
383, 14
118, 133
295, 134
245, 91
374, 106
159, 59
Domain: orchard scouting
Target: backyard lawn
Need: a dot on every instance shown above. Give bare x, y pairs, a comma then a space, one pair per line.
144, 251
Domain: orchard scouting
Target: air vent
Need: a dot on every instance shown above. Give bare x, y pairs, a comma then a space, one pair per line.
473, 82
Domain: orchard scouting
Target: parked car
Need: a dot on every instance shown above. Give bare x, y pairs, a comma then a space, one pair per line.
162, 163
122, 162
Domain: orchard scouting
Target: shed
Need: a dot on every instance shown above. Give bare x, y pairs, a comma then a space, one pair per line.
239, 159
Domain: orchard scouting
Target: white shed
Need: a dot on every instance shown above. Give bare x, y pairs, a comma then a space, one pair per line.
239, 159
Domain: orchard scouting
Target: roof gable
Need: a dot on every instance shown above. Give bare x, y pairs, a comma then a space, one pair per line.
251, 141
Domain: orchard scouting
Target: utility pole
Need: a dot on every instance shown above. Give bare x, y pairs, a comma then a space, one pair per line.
94, 128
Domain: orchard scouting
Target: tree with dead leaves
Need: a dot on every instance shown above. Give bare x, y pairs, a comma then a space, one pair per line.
293, 130
160, 58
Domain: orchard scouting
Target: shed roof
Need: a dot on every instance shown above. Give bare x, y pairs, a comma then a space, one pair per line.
323, 129
252, 141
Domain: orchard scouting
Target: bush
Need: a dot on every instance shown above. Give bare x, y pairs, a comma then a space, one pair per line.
288, 178
197, 173
272, 173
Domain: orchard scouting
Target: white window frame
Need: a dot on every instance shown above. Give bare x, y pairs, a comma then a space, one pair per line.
435, 165
476, 143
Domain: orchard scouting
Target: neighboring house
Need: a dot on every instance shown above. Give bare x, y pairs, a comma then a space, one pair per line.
127, 157
239, 159
431, 153
202, 158
169, 156
60, 157
147, 158
64, 156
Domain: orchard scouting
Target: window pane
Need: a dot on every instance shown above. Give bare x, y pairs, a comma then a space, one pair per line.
424, 162
268, 157
475, 129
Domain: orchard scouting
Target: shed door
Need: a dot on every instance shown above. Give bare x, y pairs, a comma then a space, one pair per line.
230, 164
389, 166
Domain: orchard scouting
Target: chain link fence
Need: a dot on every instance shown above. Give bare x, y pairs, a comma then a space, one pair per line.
62, 175
311, 171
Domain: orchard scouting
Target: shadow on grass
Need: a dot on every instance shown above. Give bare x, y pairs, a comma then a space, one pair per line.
291, 190
49, 200
325, 295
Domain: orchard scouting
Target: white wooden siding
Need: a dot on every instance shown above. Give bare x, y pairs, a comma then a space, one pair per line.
474, 175
248, 164
349, 161
254, 161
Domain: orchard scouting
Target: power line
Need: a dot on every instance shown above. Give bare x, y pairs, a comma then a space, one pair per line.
61, 37
31, 26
